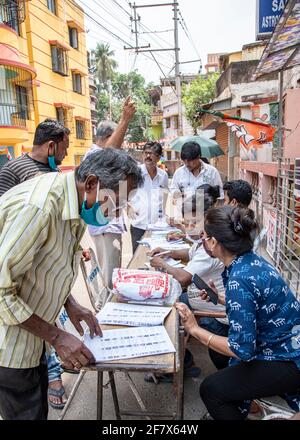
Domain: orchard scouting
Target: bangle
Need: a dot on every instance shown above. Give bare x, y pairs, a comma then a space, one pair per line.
209, 340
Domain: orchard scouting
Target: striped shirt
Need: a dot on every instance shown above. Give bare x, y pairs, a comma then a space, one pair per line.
18, 170
40, 233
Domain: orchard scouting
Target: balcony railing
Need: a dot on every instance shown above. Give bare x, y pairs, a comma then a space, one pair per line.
12, 13
13, 115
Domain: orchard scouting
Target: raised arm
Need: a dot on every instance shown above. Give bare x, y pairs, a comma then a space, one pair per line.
117, 138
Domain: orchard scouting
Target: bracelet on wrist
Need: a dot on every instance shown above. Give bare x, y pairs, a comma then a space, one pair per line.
209, 340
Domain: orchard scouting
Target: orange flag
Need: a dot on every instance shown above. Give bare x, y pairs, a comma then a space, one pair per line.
251, 134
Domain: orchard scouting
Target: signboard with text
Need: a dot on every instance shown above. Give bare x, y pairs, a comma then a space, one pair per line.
267, 16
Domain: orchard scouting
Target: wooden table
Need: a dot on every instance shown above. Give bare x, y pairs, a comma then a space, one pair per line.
160, 364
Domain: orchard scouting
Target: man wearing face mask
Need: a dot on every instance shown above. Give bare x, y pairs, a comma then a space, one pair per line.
42, 222
50, 147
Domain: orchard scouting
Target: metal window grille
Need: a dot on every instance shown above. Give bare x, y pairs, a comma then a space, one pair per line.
288, 223
80, 129
16, 98
65, 116
12, 13
59, 60
73, 37
77, 82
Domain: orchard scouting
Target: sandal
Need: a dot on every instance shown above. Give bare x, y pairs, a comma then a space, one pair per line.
56, 393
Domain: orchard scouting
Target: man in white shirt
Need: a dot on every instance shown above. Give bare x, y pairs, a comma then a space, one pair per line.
108, 239
194, 173
148, 204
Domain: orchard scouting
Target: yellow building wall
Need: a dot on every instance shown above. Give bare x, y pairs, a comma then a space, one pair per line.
235, 57
40, 26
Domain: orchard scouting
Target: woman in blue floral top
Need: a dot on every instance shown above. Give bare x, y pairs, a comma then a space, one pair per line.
264, 316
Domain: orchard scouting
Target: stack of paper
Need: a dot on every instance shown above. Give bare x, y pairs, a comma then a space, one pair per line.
153, 243
132, 315
129, 343
171, 262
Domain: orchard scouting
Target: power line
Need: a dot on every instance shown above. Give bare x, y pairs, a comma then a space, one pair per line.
117, 37
111, 32
121, 7
157, 32
164, 75
188, 33
105, 28
111, 13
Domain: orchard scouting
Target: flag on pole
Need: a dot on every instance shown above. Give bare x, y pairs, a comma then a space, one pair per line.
252, 134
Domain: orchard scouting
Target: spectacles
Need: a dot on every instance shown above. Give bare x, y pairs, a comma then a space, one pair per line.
150, 153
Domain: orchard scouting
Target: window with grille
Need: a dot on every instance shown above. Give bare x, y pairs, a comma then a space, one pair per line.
22, 102
60, 115
168, 122
77, 82
80, 132
51, 5
73, 37
59, 60
10, 14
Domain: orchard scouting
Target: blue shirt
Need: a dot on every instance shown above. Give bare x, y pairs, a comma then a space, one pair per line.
263, 313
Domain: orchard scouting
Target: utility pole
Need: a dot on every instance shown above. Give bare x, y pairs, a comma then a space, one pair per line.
177, 70
142, 49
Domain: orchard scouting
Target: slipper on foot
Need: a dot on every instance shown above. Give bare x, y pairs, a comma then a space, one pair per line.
56, 393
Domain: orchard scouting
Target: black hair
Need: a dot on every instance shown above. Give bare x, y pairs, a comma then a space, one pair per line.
50, 130
240, 190
233, 228
110, 166
155, 147
211, 195
190, 151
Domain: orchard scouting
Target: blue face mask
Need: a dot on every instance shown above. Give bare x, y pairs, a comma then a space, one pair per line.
93, 216
51, 161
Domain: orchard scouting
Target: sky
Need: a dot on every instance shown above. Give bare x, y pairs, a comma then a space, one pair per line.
213, 26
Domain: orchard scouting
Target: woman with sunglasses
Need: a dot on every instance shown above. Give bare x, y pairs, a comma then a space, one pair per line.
263, 343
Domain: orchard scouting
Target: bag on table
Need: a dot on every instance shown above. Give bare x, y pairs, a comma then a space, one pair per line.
140, 285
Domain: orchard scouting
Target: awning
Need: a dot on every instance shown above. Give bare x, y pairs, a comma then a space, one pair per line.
10, 57
283, 50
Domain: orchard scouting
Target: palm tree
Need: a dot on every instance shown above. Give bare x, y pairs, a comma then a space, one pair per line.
104, 63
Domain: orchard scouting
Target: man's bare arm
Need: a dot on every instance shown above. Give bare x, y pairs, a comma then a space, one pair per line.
117, 138
72, 352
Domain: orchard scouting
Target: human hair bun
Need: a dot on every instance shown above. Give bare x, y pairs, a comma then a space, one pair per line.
243, 222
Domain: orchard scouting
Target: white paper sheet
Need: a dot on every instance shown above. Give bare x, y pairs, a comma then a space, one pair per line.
171, 262
129, 343
154, 243
132, 315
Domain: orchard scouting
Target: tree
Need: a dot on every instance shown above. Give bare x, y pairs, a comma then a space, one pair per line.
104, 63
199, 92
